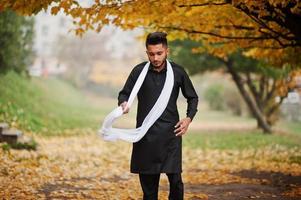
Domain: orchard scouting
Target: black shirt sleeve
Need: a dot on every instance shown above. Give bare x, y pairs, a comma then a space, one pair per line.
189, 93
124, 94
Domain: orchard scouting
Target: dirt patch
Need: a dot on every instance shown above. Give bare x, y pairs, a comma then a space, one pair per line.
274, 186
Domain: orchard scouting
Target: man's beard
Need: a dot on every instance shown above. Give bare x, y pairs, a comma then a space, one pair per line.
159, 64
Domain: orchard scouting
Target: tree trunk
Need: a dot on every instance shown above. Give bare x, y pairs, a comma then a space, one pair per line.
261, 121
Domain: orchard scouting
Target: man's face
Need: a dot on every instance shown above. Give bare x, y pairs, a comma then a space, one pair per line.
157, 54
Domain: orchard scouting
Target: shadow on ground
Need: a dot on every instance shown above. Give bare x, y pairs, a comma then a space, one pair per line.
273, 188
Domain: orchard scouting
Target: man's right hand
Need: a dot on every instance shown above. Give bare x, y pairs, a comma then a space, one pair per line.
125, 109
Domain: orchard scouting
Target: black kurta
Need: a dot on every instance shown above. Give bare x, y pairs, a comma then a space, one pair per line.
159, 151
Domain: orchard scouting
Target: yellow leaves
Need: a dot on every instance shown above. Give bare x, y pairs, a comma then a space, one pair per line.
80, 166
290, 83
55, 10
294, 192
25, 7
214, 21
79, 31
297, 8
66, 4
200, 196
177, 35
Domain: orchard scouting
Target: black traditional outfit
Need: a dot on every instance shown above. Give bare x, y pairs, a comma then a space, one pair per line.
159, 151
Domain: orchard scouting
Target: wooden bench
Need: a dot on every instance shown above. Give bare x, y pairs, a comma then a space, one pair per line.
9, 136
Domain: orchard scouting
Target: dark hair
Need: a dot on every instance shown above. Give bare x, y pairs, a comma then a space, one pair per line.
156, 38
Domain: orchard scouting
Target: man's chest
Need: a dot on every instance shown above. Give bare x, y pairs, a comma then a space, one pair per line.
153, 82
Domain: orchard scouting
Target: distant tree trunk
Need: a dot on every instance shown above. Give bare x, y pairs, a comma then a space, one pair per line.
255, 106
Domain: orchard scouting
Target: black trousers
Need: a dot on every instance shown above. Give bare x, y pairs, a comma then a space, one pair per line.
150, 186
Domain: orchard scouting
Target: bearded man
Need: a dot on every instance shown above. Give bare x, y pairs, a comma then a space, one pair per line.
160, 149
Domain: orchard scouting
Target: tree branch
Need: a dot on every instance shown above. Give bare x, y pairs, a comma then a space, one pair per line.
202, 4
271, 92
272, 18
253, 90
261, 87
274, 107
215, 34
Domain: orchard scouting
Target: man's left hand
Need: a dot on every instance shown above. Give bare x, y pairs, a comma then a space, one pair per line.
182, 126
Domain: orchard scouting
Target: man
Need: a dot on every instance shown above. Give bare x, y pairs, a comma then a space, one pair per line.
160, 150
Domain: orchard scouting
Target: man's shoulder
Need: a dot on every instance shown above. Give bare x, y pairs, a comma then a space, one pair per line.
137, 69
140, 65
177, 68
175, 65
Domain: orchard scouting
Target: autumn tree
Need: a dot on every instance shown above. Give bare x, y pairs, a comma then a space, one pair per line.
266, 29
258, 84
263, 28
16, 40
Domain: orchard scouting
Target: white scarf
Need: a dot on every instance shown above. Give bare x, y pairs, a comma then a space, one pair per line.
134, 135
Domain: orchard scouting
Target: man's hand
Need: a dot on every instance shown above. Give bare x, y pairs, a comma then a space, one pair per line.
125, 109
182, 126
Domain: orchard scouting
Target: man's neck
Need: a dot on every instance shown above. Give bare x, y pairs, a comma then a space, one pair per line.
158, 69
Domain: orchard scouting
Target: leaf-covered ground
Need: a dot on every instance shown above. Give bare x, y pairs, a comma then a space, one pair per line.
86, 167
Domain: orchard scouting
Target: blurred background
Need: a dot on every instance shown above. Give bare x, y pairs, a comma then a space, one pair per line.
63, 63
53, 82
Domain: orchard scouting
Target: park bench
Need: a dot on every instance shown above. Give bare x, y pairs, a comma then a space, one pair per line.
10, 136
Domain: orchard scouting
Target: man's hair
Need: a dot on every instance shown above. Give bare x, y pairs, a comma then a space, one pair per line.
156, 38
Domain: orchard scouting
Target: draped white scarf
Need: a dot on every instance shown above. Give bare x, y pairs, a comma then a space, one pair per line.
134, 135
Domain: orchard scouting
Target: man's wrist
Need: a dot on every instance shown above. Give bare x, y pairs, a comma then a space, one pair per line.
189, 118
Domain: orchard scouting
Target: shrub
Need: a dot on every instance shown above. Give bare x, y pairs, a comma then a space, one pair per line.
214, 97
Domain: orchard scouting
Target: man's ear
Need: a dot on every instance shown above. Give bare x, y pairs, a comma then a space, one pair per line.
167, 51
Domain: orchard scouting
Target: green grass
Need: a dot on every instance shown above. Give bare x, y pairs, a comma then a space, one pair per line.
30, 145
292, 127
239, 140
50, 106
45, 105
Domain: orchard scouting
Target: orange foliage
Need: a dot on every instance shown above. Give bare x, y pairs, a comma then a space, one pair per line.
265, 29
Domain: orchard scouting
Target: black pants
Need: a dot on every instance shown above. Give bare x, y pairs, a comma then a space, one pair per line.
150, 186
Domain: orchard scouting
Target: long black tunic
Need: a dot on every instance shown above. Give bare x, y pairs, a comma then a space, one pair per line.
159, 151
